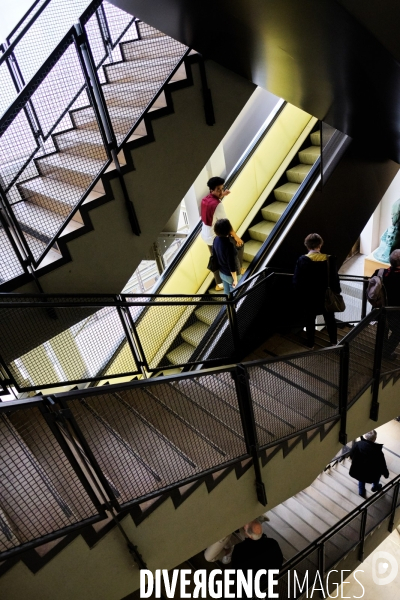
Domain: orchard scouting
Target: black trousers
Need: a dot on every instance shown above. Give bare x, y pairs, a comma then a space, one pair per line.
330, 322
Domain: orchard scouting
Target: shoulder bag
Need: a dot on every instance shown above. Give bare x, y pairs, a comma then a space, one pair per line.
333, 302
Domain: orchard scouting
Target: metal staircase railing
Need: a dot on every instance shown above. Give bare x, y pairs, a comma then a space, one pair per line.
150, 437
112, 336
67, 123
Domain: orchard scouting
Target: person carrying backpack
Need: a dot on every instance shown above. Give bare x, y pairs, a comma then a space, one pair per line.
388, 295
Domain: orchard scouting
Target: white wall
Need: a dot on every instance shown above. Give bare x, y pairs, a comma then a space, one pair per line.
381, 219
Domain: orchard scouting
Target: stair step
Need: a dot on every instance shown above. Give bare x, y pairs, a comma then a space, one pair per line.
195, 333
316, 138
304, 528
309, 155
122, 118
285, 192
250, 250
130, 94
52, 194
82, 142
140, 70
161, 45
260, 231
148, 443
293, 537
202, 421
299, 173
199, 393
147, 31
181, 354
201, 451
39, 222
74, 170
274, 211
207, 314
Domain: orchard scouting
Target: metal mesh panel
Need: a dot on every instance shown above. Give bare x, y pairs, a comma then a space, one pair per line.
40, 493
133, 82
10, 266
43, 37
50, 188
169, 334
8, 90
89, 339
117, 20
390, 354
292, 395
361, 361
300, 578
146, 439
248, 307
342, 542
379, 510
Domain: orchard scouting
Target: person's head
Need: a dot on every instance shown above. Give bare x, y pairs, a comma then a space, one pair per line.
370, 436
253, 530
222, 227
395, 259
313, 241
216, 186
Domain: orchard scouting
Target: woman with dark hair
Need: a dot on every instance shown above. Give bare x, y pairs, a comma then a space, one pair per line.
226, 255
311, 281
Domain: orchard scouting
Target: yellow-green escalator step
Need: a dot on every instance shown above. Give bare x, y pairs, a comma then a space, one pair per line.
298, 173
195, 333
285, 192
316, 138
260, 231
309, 155
181, 354
208, 313
250, 249
274, 211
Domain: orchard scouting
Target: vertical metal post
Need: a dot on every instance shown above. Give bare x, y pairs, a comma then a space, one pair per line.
343, 391
380, 336
207, 98
362, 534
104, 31
321, 564
394, 506
102, 116
233, 323
364, 300
241, 378
139, 352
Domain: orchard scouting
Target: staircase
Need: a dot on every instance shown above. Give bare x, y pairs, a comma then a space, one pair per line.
73, 169
272, 211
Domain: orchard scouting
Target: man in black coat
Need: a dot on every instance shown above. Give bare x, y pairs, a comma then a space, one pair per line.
256, 552
368, 463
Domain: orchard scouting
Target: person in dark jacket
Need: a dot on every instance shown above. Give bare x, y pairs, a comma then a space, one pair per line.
256, 552
226, 255
311, 281
391, 282
368, 463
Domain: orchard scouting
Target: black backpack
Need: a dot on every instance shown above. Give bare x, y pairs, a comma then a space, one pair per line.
376, 293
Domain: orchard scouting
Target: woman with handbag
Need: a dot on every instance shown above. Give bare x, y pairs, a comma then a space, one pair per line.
316, 280
225, 255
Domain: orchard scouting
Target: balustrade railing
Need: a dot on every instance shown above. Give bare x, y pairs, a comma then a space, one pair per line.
70, 109
148, 437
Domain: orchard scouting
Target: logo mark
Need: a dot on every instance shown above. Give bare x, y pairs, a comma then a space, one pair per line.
384, 568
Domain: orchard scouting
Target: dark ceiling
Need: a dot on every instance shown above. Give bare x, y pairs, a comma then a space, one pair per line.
338, 66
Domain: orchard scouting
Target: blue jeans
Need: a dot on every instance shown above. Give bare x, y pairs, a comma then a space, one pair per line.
361, 486
227, 281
